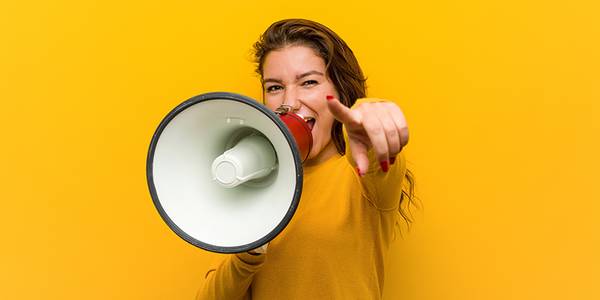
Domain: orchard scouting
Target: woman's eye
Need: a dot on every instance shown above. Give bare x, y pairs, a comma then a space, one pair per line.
273, 88
309, 82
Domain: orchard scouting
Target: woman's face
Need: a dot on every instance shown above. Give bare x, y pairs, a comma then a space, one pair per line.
296, 76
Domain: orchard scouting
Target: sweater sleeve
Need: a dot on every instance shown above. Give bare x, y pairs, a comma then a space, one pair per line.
232, 278
382, 189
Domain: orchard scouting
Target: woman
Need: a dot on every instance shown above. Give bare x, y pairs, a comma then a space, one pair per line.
337, 244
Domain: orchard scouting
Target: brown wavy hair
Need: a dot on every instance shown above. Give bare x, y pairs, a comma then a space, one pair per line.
342, 68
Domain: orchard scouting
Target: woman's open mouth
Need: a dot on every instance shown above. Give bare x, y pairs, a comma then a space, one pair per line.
310, 121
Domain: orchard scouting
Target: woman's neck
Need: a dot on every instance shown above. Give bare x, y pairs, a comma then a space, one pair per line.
328, 152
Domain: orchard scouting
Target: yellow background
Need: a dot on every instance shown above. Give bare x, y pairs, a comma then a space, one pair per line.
502, 99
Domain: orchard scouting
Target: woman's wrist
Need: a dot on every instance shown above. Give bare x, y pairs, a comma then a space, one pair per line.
258, 251
251, 252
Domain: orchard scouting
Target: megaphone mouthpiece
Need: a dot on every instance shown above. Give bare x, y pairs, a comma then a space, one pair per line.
252, 158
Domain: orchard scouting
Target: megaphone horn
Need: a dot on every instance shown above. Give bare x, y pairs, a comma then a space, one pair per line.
225, 172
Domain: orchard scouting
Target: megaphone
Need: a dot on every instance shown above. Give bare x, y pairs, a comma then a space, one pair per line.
225, 172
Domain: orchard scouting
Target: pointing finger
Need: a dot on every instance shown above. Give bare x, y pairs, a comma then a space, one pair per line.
342, 113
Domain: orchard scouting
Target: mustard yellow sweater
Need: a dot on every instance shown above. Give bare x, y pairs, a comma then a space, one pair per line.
335, 246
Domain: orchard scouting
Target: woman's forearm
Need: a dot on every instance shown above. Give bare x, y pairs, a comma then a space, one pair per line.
232, 279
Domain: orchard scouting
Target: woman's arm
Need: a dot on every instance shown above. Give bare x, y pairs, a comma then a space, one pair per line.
232, 278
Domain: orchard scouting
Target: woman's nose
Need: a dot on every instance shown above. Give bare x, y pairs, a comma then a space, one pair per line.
291, 100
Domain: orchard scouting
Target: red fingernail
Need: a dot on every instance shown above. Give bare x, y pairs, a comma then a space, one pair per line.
392, 160
329, 97
384, 165
358, 171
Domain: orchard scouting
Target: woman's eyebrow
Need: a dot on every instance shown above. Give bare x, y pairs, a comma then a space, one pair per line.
298, 77
313, 72
272, 80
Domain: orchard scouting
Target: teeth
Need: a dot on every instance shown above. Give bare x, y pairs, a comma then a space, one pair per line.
306, 118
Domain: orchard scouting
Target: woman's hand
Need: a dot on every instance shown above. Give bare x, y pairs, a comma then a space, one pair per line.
380, 125
260, 250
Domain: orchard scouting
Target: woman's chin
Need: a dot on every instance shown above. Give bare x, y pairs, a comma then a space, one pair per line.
314, 152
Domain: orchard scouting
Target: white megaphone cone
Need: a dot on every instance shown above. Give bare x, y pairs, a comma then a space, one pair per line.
225, 173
